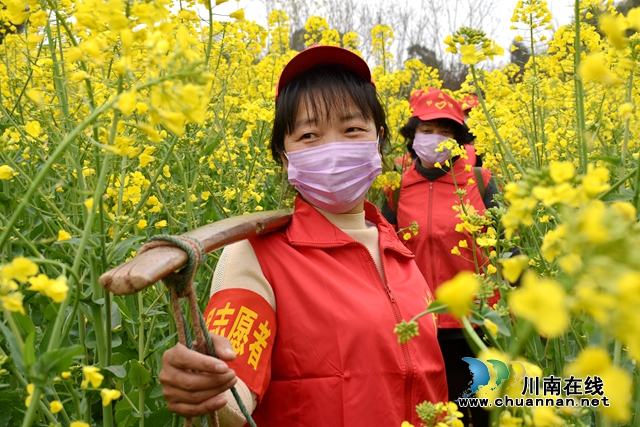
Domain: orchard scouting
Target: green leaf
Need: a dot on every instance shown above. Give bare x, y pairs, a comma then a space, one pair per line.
5, 412
119, 359
161, 344
116, 316
437, 307
13, 402
117, 370
493, 315
124, 310
160, 418
138, 374
123, 247
57, 360
623, 195
116, 340
29, 351
25, 323
90, 340
156, 312
613, 160
156, 392
51, 312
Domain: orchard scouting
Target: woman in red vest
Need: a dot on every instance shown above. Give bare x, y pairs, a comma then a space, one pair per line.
309, 311
426, 195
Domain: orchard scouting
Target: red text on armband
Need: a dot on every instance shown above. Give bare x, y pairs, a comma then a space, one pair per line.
248, 321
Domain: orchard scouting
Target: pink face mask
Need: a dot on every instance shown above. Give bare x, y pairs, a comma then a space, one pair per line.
425, 147
335, 176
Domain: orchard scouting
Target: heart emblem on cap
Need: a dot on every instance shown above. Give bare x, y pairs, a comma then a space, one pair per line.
429, 102
440, 105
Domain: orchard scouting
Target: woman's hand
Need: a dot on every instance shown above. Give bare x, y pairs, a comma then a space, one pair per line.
190, 393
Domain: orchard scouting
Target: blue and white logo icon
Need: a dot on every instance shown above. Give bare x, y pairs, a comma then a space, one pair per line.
492, 374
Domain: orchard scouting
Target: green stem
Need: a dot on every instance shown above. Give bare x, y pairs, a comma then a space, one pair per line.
57, 79
576, 337
618, 184
148, 344
98, 325
207, 55
534, 92
23, 382
636, 194
82, 333
141, 405
520, 340
503, 145
37, 181
147, 191
97, 197
617, 353
473, 334
582, 146
31, 410
427, 311
13, 327
191, 223
625, 143
45, 199
27, 243
636, 416
62, 147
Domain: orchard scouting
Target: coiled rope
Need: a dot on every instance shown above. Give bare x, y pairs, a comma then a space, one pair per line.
180, 285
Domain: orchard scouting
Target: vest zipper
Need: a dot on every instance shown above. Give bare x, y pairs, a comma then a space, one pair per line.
408, 385
433, 283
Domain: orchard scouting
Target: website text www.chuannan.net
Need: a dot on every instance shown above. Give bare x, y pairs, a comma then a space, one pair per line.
530, 402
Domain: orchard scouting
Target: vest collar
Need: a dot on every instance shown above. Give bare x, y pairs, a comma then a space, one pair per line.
412, 176
309, 227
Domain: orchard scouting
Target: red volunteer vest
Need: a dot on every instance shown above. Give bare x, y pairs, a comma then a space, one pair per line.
429, 203
336, 361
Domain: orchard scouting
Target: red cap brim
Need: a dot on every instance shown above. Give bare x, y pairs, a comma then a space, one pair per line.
440, 115
316, 55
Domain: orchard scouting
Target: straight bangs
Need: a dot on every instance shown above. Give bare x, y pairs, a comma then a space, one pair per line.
324, 90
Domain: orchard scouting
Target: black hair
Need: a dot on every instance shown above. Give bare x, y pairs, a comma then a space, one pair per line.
460, 131
330, 87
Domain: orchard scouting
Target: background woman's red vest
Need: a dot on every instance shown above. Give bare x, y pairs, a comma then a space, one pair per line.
430, 204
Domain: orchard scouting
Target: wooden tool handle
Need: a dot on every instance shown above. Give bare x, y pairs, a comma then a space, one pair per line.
147, 268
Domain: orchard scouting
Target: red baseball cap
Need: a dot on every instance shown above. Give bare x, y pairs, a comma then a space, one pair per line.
435, 104
319, 54
468, 102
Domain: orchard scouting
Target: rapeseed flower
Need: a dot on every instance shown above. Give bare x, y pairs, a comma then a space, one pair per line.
458, 293
91, 375
542, 302
6, 172
20, 269
55, 406
13, 302
108, 396
595, 361
63, 235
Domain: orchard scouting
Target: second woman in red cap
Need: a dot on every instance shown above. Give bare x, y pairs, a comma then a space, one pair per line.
426, 196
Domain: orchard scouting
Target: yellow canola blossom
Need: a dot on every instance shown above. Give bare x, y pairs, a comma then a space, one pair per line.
458, 293
92, 376
542, 302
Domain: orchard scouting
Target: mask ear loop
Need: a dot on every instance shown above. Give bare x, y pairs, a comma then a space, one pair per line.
380, 137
